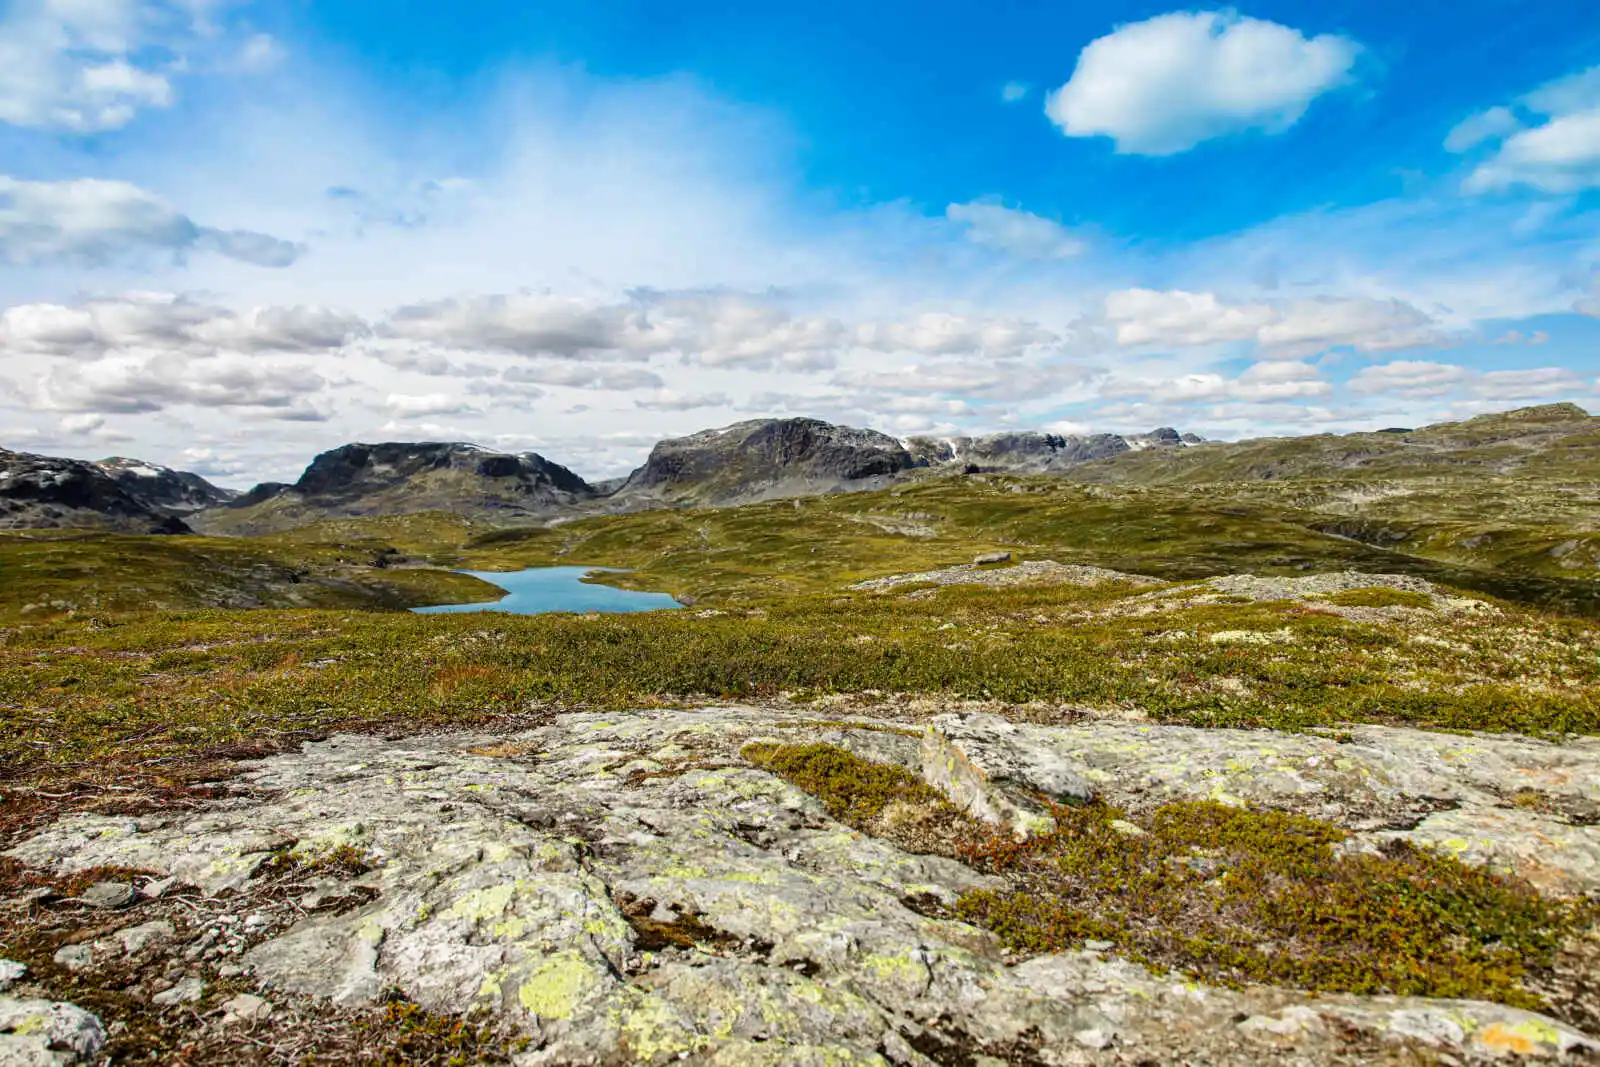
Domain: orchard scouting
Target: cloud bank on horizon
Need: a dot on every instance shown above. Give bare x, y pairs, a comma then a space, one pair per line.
237, 232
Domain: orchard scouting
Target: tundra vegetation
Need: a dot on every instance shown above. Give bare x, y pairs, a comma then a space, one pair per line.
136, 671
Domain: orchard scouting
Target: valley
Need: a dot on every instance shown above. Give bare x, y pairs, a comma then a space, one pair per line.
1239, 752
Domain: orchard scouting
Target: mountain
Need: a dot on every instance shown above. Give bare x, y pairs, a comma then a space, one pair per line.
47, 491
174, 492
763, 459
396, 478
1551, 440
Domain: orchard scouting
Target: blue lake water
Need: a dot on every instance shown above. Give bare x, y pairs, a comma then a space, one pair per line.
541, 589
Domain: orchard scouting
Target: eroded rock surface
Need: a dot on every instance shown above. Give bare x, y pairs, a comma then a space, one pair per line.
43, 1033
626, 889
1031, 572
1517, 805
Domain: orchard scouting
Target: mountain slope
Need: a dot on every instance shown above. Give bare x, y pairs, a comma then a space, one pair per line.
763, 459
399, 478
51, 492
175, 492
1553, 440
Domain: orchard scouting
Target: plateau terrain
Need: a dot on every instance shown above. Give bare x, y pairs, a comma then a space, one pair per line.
1022, 749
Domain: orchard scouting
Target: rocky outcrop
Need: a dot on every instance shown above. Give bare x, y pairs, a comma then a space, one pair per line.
397, 478
1031, 452
164, 489
44, 1033
1029, 572
626, 888
47, 491
764, 459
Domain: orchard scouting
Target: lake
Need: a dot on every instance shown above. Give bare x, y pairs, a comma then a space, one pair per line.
541, 589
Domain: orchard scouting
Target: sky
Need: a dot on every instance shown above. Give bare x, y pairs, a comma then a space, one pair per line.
235, 233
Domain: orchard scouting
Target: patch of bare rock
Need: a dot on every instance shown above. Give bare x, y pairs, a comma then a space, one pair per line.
1029, 572
626, 889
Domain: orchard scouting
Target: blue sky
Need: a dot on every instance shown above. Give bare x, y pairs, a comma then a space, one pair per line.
235, 233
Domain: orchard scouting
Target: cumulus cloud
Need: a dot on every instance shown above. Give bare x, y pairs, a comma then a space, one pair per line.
1261, 382
1000, 380
1425, 378
531, 324
730, 329
670, 401
1288, 329
134, 383
942, 333
584, 376
85, 67
1164, 85
1559, 152
427, 405
712, 329
171, 323
991, 223
93, 222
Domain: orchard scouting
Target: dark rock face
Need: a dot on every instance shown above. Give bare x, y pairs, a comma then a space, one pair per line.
766, 458
257, 494
356, 470
1020, 452
174, 492
45, 491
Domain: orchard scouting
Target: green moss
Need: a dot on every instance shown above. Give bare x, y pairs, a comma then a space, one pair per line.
1228, 894
1378, 597
853, 790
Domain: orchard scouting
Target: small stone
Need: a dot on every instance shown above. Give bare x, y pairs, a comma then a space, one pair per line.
993, 557
1126, 828
229, 970
1099, 946
75, 957
186, 991
157, 889
136, 938
1095, 1039
245, 1008
11, 972
47, 1034
108, 895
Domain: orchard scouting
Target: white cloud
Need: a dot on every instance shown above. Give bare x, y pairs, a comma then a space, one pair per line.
943, 333
1489, 125
1559, 155
93, 222
132, 383
670, 401
165, 322
1425, 379
90, 65
1175, 317
1164, 85
531, 324
405, 406
1287, 329
1260, 383
991, 223
584, 376
1011, 92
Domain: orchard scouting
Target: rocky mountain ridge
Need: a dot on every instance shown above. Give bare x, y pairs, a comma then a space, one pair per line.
764, 459
118, 494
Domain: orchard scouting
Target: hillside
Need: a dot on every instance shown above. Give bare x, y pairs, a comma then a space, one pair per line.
1554, 441
46, 491
401, 478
